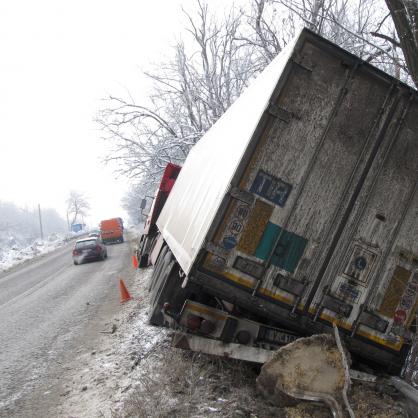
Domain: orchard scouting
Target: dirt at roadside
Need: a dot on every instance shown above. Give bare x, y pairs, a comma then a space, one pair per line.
134, 372
181, 384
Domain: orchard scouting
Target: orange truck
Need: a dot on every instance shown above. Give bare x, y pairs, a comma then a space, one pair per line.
111, 230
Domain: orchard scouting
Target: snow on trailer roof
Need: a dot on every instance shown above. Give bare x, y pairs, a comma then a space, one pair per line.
211, 164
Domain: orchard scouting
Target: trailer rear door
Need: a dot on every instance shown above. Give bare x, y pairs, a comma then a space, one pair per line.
324, 215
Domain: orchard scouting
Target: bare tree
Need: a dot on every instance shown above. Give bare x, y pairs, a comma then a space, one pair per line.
77, 206
404, 14
348, 23
209, 71
132, 199
190, 93
365, 28
267, 31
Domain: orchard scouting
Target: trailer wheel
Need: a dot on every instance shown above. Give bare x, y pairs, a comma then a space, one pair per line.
167, 289
146, 250
143, 261
159, 265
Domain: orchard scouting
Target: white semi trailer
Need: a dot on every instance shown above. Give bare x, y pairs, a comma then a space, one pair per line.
297, 210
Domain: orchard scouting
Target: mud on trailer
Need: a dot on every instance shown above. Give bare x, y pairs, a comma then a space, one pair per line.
298, 209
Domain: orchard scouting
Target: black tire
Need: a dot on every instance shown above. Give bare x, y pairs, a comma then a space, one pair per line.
166, 289
143, 252
75, 262
146, 250
159, 265
143, 261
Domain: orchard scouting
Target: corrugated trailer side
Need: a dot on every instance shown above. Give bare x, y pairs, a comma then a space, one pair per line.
319, 225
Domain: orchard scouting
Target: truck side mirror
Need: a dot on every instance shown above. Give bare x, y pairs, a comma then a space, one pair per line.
143, 203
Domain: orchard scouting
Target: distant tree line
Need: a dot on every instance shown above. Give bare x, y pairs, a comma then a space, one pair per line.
220, 55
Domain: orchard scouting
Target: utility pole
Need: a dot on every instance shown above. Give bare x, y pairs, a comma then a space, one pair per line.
68, 222
40, 221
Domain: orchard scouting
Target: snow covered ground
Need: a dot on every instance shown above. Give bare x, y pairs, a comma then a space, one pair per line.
100, 381
17, 254
135, 373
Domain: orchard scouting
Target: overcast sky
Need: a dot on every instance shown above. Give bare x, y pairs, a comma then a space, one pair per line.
58, 60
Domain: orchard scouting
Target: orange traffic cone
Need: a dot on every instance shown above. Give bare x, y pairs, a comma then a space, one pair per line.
134, 261
124, 294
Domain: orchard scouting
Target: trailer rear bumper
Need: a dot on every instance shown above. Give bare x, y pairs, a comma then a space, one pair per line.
409, 392
219, 348
300, 323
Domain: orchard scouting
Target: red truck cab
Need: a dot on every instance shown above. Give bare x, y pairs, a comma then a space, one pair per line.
150, 234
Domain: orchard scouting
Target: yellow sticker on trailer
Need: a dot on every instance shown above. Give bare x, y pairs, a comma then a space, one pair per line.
255, 226
394, 291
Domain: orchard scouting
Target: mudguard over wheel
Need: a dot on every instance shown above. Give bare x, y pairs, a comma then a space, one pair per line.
146, 247
159, 265
143, 261
166, 288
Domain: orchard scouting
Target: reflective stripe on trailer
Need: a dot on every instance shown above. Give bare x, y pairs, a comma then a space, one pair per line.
340, 323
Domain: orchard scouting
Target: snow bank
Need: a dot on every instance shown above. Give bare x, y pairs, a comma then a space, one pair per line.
15, 254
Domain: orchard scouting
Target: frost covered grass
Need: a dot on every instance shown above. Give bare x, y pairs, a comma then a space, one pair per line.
183, 384
174, 383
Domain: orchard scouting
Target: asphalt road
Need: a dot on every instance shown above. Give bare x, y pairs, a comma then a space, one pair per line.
50, 310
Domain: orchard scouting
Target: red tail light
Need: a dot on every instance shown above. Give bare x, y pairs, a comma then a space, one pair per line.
75, 252
193, 322
98, 248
